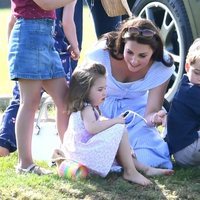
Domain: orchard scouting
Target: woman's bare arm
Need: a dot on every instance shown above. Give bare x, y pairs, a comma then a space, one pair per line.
154, 114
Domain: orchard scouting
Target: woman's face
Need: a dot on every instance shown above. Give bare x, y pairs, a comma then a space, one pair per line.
137, 56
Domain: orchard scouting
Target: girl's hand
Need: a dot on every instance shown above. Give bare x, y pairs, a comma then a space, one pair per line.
120, 119
159, 118
75, 52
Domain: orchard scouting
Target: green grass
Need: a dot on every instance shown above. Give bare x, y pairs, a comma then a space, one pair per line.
184, 184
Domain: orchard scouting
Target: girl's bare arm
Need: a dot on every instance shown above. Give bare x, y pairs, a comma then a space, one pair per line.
94, 126
11, 23
69, 29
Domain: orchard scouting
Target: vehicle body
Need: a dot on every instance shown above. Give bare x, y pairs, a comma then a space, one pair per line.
179, 24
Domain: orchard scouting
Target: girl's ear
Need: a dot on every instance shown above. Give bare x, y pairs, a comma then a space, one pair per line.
187, 67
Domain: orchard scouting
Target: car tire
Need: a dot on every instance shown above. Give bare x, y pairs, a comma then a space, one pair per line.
171, 18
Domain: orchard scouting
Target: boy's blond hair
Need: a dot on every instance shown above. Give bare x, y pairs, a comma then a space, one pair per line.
193, 52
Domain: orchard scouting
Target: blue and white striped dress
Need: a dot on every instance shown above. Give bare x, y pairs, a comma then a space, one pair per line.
149, 147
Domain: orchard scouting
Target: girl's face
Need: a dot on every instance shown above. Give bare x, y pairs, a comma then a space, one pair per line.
193, 72
137, 56
97, 92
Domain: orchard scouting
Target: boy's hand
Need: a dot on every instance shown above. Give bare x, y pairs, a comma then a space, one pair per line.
159, 118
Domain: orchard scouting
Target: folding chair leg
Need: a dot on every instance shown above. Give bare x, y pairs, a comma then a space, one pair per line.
43, 110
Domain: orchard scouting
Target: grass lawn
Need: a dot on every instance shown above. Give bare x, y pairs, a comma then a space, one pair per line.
184, 184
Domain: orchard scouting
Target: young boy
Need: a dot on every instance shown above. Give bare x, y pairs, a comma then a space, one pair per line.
183, 122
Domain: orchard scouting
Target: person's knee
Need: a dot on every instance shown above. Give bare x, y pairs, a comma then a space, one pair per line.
4, 152
61, 103
31, 105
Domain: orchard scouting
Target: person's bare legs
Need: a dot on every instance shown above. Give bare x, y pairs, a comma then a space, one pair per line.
124, 158
152, 171
30, 91
58, 90
4, 152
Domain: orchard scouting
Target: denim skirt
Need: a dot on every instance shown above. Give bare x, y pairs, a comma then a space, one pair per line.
32, 54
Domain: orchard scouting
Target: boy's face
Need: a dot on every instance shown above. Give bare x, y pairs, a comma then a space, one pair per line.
193, 72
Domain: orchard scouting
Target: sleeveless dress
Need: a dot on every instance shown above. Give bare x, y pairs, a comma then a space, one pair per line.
96, 151
148, 145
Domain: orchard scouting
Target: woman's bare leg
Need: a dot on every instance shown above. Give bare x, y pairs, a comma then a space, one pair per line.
30, 91
124, 157
152, 171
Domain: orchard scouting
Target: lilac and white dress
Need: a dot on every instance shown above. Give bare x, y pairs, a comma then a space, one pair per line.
149, 147
96, 151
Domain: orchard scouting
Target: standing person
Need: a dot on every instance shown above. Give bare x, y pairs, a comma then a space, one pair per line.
35, 64
183, 121
138, 73
93, 140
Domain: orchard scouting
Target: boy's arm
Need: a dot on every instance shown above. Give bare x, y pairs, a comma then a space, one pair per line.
69, 29
51, 4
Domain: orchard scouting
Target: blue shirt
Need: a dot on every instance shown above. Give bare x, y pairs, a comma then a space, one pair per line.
183, 120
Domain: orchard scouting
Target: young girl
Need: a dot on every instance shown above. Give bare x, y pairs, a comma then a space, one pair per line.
93, 140
35, 64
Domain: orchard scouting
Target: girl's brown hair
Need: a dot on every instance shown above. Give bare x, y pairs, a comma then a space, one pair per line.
81, 81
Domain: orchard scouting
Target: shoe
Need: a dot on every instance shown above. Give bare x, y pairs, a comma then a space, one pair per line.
51, 163
33, 169
58, 157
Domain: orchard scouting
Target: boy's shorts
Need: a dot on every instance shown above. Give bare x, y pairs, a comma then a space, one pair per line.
190, 155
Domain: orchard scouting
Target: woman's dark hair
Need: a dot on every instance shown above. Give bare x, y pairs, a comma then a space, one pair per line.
81, 81
116, 41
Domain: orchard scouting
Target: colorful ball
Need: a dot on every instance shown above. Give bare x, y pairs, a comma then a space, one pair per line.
72, 170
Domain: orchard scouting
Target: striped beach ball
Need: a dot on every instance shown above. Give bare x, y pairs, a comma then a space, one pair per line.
72, 170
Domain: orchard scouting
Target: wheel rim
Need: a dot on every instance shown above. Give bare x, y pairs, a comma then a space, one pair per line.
172, 38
